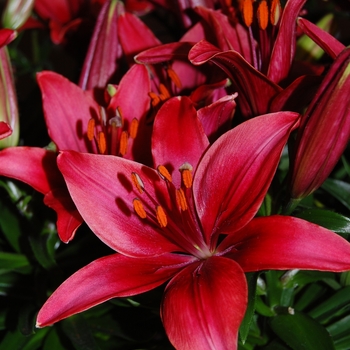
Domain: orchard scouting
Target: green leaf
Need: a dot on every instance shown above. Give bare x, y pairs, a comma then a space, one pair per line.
339, 328
328, 219
245, 325
339, 190
14, 262
301, 332
332, 306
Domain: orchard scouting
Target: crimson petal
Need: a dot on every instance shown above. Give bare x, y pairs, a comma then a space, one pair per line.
67, 111
106, 278
178, 136
239, 172
204, 304
102, 189
254, 89
5, 130
283, 242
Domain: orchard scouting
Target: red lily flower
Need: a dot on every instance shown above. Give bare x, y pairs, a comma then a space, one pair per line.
198, 232
74, 122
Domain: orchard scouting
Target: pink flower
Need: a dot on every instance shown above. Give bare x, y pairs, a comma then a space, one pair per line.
192, 222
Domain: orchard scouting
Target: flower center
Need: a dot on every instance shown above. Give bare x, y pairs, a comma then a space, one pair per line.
175, 215
111, 136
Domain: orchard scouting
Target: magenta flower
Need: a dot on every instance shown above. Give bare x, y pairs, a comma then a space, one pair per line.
190, 221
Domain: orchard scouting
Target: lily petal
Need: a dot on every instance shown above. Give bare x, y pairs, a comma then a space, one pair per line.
254, 89
283, 242
5, 130
212, 297
239, 176
178, 136
106, 278
101, 186
67, 111
326, 41
284, 49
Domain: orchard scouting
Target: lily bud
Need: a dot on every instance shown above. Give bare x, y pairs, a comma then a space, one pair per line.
324, 131
16, 13
8, 100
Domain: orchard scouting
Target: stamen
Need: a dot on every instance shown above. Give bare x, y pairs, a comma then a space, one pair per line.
133, 128
275, 13
138, 207
181, 199
161, 216
164, 173
263, 15
155, 100
174, 77
123, 145
119, 114
101, 142
164, 92
103, 115
111, 90
247, 12
186, 174
138, 183
91, 129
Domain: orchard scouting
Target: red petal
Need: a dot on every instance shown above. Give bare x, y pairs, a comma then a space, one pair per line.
106, 278
5, 130
254, 89
133, 100
283, 51
283, 242
67, 111
102, 189
134, 35
235, 173
204, 305
325, 40
6, 36
217, 117
104, 50
178, 136
33, 166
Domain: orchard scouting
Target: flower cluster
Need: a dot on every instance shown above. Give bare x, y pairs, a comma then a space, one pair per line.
193, 143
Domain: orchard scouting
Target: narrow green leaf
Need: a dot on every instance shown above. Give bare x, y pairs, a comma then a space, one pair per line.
301, 332
245, 325
13, 262
339, 328
339, 190
332, 306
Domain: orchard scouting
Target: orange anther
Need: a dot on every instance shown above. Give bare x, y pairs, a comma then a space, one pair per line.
164, 173
174, 77
161, 216
263, 15
101, 142
228, 3
138, 183
91, 129
123, 143
139, 209
164, 92
275, 13
181, 199
134, 125
247, 12
155, 100
186, 175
